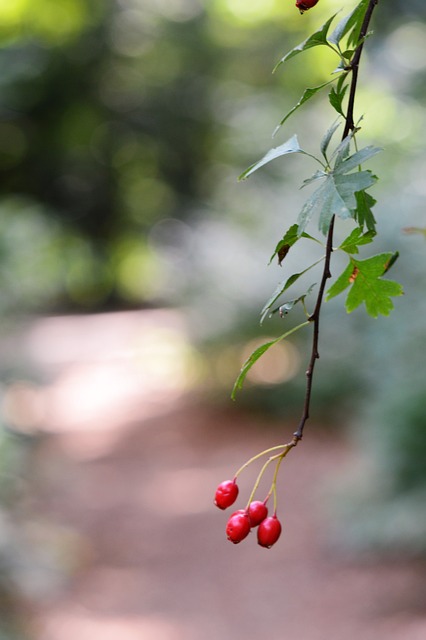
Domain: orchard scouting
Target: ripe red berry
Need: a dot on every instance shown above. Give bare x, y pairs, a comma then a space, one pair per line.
304, 5
238, 526
226, 494
257, 512
269, 531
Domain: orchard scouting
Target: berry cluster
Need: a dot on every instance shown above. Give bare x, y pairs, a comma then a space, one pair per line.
242, 521
255, 514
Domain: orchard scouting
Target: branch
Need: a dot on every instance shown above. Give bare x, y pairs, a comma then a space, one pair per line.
326, 274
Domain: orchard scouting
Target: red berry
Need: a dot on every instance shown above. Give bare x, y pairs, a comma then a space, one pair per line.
257, 512
238, 526
304, 5
226, 494
269, 531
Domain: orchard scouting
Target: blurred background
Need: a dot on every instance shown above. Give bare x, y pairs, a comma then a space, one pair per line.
133, 267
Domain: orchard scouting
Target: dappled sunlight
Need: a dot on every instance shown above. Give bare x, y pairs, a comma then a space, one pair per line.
102, 369
279, 364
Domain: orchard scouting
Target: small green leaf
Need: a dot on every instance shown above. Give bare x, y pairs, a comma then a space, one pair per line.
342, 151
356, 239
348, 22
355, 160
336, 97
307, 95
286, 307
282, 287
363, 213
257, 353
290, 146
316, 39
289, 239
327, 138
358, 17
367, 286
394, 257
316, 176
283, 247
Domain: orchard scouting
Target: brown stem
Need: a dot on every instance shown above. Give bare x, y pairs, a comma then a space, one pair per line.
326, 274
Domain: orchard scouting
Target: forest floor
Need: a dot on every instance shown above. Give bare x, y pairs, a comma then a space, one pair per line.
123, 494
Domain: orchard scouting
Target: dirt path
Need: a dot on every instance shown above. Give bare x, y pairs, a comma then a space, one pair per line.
128, 544
154, 562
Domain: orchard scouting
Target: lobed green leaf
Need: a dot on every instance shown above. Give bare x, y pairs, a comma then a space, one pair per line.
355, 239
336, 97
367, 286
364, 216
335, 197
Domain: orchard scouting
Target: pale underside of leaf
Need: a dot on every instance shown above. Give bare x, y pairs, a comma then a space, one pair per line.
290, 146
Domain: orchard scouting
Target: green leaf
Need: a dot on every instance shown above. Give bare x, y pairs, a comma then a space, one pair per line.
336, 97
348, 185
327, 138
316, 39
356, 239
283, 247
316, 176
336, 196
342, 151
290, 238
363, 214
286, 307
355, 160
367, 286
282, 287
354, 19
307, 95
342, 282
290, 146
257, 353
358, 17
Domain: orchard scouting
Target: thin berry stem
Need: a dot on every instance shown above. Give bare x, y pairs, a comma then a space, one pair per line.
257, 456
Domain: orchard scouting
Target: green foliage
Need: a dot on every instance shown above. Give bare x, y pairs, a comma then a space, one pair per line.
282, 288
317, 39
367, 286
342, 191
336, 196
290, 238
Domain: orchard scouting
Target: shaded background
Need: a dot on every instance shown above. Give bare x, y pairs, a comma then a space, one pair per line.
132, 270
